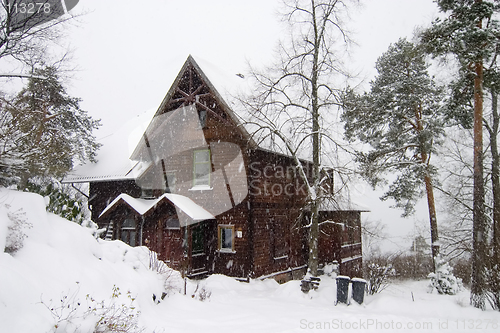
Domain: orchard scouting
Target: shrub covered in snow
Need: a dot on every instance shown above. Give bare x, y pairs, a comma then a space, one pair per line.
16, 230
443, 279
377, 273
115, 315
61, 200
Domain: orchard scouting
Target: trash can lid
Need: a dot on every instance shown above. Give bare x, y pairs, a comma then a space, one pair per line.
358, 280
342, 277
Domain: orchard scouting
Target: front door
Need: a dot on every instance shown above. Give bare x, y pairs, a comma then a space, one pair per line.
199, 249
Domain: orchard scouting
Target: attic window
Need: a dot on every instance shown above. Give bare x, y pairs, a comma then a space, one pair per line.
202, 114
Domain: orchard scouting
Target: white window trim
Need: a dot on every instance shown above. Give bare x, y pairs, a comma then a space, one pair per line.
219, 239
202, 186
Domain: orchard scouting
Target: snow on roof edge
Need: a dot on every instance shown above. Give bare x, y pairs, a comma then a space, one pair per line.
142, 206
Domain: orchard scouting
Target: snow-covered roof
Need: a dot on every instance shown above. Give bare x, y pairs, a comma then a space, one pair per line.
143, 206
113, 162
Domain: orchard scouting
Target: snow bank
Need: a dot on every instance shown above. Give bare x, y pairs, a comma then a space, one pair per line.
60, 258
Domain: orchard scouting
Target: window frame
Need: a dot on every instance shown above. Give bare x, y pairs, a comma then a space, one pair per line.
195, 163
220, 244
171, 227
128, 231
202, 117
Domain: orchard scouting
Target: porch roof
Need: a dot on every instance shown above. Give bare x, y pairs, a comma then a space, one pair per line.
143, 206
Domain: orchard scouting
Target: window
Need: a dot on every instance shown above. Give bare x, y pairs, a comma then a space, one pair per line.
147, 193
203, 118
198, 237
226, 238
201, 168
128, 231
172, 223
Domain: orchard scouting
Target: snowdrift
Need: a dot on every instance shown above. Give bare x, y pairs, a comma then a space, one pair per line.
59, 259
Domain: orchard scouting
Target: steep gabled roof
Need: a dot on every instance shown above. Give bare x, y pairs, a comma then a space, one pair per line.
216, 77
115, 158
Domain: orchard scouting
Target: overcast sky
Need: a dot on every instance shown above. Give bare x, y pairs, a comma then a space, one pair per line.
129, 52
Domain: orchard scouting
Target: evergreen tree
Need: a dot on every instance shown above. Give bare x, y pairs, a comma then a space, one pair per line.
470, 33
401, 119
443, 279
44, 131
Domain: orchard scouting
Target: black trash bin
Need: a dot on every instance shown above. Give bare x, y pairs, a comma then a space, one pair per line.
358, 290
342, 289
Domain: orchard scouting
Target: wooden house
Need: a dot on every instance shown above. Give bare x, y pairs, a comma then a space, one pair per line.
195, 188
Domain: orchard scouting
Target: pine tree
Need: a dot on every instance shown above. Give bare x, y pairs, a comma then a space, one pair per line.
443, 279
470, 33
401, 119
47, 131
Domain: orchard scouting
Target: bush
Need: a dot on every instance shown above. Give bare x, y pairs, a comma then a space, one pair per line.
462, 268
110, 316
378, 272
62, 200
16, 230
412, 266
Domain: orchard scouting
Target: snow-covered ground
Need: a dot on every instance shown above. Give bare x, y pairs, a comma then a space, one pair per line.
63, 277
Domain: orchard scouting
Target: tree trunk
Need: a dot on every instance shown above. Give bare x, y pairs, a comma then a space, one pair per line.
477, 298
424, 158
493, 277
316, 147
495, 178
313, 239
432, 218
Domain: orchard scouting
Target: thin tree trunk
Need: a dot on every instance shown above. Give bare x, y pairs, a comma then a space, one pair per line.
495, 178
316, 146
424, 158
432, 217
493, 278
